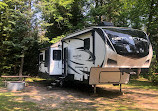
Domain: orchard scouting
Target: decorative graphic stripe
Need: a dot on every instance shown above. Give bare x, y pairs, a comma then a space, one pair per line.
80, 48
65, 42
73, 69
77, 38
92, 56
100, 32
76, 63
102, 64
86, 72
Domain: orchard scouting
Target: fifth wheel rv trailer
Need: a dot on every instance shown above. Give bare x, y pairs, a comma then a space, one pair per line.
98, 55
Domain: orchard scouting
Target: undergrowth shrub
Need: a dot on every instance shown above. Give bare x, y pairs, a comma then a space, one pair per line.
152, 70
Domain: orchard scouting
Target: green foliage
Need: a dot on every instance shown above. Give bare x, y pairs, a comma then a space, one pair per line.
57, 39
153, 69
17, 34
108, 10
22, 34
61, 16
3, 5
55, 14
154, 79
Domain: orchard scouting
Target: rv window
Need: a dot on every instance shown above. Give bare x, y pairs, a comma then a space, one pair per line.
108, 42
41, 57
87, 43
128, 42
56, 54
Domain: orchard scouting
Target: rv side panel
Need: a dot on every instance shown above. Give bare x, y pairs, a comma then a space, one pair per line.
80, 55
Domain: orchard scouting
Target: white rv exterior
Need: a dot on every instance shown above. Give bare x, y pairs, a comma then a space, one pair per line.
98, 55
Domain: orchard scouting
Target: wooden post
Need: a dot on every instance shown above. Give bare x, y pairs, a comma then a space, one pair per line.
5, 82
95, 89
21, 67
120, 88
138, 72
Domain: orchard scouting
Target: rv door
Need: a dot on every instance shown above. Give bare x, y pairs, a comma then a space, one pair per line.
56, 62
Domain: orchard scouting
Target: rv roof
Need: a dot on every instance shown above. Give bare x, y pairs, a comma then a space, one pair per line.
78, 32
56, 44
89, 29
43, 48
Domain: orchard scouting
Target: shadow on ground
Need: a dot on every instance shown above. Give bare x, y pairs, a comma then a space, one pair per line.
84, 89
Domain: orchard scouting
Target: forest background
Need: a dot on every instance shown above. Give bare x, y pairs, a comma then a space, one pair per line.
29, 25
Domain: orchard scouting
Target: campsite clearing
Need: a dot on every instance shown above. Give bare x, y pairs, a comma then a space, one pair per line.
139, 95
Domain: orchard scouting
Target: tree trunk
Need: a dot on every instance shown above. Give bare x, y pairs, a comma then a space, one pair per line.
21, 66
150, 17
15, 69
100, 16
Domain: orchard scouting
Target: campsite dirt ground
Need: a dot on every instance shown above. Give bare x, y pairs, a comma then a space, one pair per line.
81, 99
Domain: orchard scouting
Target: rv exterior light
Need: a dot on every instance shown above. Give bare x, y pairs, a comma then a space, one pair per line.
117, 38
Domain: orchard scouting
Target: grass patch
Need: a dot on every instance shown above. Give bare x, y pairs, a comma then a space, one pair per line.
118, 105
77, 106
1, 83
111, 102
32, 79
142, 83
8, 102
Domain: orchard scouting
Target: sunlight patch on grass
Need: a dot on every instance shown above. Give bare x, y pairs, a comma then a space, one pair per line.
17, 108
32, 79
1, 83
7, 94
9, 102
142, 83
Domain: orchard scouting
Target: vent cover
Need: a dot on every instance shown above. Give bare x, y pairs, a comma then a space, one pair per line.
111, 62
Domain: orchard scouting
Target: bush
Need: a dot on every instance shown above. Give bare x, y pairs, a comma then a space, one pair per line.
152, 70
154, 79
